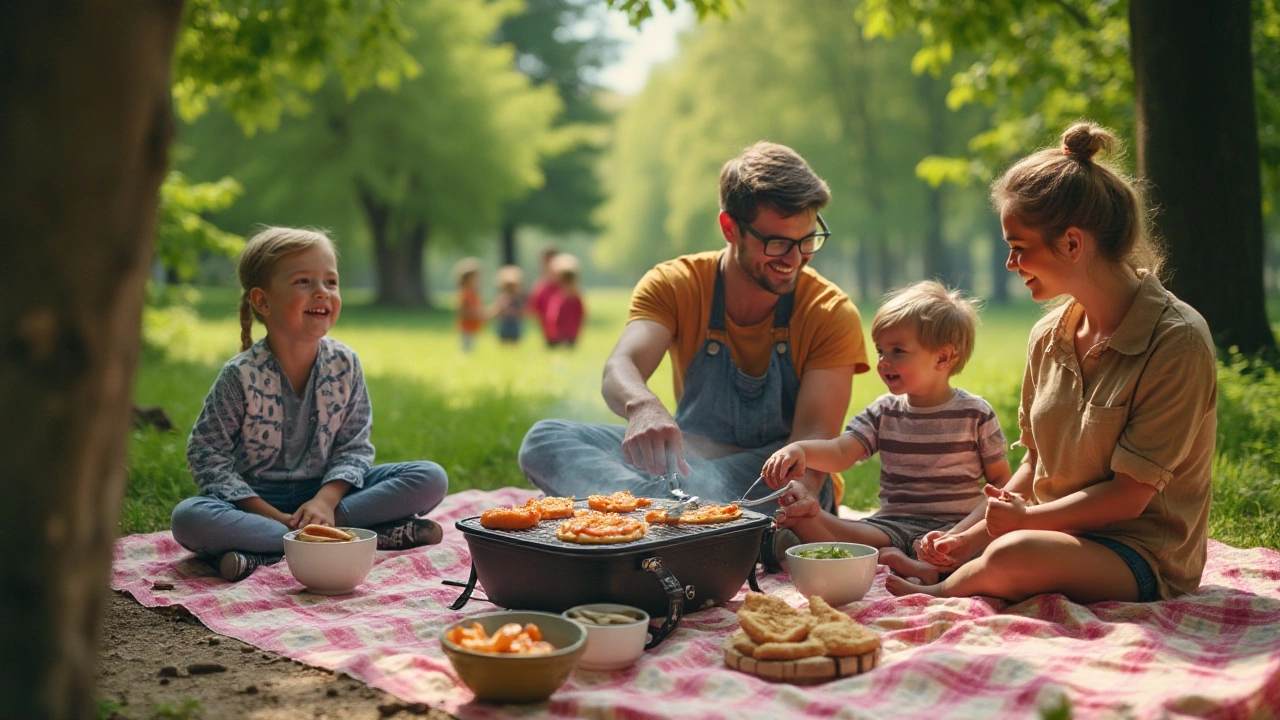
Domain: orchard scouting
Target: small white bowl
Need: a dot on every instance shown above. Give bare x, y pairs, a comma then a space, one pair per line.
612, 647
331, 568
838, 580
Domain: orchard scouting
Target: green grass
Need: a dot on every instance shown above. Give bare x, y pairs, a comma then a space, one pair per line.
469, 412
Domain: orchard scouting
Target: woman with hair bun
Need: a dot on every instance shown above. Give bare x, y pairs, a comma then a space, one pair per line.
1118, 410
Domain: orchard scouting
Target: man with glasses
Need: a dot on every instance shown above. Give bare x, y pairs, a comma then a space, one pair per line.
763, 351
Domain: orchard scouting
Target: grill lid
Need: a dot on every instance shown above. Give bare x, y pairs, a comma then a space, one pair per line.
543, 535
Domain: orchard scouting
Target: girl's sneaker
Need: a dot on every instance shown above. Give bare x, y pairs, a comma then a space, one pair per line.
235, 566
405, 534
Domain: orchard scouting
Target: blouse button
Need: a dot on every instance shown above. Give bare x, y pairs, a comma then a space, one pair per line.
713, 349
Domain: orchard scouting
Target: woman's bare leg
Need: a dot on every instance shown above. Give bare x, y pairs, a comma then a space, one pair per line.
1032, 562
907, 567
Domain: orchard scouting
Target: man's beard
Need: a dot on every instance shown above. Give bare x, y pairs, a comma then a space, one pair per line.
760, 275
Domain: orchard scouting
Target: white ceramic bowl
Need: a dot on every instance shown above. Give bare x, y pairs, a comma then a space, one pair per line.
507, 678
331, 568
837, 580
612, 647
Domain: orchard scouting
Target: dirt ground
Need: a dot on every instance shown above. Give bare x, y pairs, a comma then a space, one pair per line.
152, 663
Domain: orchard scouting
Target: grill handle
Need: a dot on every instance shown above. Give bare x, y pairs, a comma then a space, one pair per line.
675, 600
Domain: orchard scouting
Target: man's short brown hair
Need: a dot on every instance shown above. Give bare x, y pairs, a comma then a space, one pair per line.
770, 174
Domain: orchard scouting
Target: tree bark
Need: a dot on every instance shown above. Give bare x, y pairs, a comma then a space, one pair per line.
509, 254
1198, 147
397, 255
85, 127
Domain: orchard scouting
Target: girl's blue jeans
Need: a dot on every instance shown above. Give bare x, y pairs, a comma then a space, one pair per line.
393, 491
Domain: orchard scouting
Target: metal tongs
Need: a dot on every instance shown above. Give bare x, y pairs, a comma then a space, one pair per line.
672, 479
762, 500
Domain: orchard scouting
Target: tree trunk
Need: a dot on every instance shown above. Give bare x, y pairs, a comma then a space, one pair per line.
1198, 147
397, 257
509, 254
999, 269
85, 127
936, 262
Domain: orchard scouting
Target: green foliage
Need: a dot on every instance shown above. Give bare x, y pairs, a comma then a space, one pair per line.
1038, 65
640, 10
849, 105
448, 148
260, 59
183, 235
176, 710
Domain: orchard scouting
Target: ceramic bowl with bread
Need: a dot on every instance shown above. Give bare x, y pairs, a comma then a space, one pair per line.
330, 561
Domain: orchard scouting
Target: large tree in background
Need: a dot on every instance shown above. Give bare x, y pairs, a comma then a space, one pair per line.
553, 46
435, 159
1198, 147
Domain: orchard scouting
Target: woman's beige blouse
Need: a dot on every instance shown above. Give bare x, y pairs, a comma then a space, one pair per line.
1144, 404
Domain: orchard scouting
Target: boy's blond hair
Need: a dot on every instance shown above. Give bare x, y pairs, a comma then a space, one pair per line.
940, 317
258, 259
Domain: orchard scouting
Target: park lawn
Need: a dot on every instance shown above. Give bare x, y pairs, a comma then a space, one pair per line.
469, 412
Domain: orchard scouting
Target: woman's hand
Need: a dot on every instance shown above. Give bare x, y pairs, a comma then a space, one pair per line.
1006, 511
796, 505
316, 511
786, 464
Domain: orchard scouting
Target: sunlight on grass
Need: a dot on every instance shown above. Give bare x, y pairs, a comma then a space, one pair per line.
469, 412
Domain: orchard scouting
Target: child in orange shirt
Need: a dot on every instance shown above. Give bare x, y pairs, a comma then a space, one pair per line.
470, 309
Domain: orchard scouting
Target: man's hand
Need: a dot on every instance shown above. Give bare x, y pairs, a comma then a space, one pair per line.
653, 436
786, 464
1006, 511
796, 505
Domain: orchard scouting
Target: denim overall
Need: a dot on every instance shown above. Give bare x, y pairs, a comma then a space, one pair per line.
720, 402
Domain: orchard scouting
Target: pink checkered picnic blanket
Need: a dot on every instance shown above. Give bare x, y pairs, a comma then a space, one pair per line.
1215, 654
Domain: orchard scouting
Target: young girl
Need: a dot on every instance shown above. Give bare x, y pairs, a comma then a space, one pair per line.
470, 309
1118, 408
936, 442
564, 307
508, 308
283, 439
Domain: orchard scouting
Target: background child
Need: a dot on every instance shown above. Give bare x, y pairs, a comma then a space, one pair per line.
565, 310
283, 439
936, 443
540, 295
508, 308
470, 310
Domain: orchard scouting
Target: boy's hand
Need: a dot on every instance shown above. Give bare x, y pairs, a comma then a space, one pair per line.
945, 550
796, 505
1006, 511
786, 464
316, 511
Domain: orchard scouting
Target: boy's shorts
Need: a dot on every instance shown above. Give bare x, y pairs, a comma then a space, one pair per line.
903, 531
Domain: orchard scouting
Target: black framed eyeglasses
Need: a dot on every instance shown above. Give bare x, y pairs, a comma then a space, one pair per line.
779, 246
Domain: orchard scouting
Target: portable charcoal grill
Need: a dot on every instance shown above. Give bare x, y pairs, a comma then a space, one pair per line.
671, 566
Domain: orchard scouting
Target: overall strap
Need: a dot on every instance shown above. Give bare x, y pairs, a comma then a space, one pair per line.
781, 311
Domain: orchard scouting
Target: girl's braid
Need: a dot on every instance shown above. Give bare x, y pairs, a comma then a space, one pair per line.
246, 322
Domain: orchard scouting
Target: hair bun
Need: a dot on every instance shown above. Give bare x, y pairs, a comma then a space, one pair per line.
1084, 139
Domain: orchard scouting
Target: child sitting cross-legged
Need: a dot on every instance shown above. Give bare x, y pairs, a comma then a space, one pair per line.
936, 442
283, 439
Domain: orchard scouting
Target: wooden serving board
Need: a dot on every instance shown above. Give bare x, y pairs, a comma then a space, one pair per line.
806, 671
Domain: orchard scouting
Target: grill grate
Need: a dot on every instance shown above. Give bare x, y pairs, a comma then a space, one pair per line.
544, 534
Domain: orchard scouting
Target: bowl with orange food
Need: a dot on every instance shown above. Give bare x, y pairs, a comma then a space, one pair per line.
513, 656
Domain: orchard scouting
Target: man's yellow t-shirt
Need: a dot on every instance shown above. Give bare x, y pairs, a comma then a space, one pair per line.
826, 329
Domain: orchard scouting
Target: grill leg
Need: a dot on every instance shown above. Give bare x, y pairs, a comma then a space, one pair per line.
470, 588
751, 580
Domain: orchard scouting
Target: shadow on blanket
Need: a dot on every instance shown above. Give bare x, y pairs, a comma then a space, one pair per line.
1215, 653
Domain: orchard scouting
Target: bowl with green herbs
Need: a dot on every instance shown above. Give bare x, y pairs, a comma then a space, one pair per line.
840, 572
